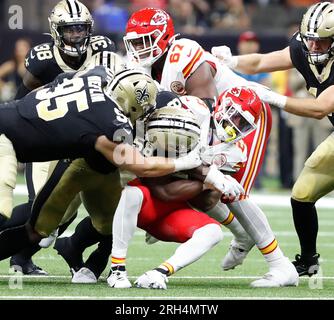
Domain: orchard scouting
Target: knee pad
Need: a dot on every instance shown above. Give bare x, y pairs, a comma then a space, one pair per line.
8, 173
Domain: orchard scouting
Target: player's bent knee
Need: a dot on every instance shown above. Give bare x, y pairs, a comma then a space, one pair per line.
212, 232
303, 190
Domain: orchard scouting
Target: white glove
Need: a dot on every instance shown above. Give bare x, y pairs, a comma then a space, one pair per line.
224, 53
190, 161
227, 185
271, 97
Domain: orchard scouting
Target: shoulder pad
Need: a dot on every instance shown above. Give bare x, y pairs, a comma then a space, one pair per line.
186, 55
102, 43
38, 57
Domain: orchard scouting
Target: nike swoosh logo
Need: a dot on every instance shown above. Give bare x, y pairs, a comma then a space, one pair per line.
127, 131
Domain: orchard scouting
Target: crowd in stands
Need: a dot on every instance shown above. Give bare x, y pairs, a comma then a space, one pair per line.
200, 16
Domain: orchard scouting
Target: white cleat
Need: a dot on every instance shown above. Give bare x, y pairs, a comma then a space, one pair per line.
152, 279
235, 255
84, 275
118, 279
283, 275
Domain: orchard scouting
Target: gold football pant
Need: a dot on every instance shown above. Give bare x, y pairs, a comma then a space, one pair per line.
317, 177
100, 195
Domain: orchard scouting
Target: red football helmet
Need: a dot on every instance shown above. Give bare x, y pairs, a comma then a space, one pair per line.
236, 113
149, 32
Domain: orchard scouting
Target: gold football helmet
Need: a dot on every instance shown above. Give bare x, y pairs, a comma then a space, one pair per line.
173, 130
318, 24
71, 27
134, 92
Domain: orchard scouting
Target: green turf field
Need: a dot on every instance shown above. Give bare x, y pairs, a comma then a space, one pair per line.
202, 280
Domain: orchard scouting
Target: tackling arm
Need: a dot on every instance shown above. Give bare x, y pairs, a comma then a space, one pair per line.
268, 62
127, 157
255, 62
313, 108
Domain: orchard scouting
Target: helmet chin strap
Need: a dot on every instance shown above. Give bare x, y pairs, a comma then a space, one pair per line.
77, 47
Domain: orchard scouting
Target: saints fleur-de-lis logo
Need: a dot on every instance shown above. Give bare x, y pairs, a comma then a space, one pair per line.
142, 95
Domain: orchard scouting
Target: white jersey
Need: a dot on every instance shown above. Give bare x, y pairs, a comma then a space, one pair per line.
184, 57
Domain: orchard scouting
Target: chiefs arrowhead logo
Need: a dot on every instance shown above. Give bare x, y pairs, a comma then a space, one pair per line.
235, 91
159, 18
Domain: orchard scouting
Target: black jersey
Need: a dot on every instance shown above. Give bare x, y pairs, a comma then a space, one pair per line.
317, 80
63, 119
45, 63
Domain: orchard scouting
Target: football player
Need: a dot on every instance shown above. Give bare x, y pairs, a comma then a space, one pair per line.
76, 116
183, 67
71, 49
164, 205
311, 52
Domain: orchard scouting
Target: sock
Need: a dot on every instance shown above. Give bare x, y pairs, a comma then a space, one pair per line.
19, 217
272, 253
62, 228
13, 240
125, 221
306, 224
223, 215
202, 240
3, 220
26, 254
115, 261
98, 259
84, 236
254, 221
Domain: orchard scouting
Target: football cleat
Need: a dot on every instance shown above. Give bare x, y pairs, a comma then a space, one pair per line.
26, 267
84, 275
118, 278
283, 275
72, 257
235, 255
307, 266
152, 279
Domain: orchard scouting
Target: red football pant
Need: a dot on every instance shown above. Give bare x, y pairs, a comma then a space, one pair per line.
169, 221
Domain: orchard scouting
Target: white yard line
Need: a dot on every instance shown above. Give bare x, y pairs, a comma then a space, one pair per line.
173, 277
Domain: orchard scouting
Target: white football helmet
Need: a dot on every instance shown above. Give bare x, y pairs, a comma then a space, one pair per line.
318, 24
173, 130
71, 26
135, 93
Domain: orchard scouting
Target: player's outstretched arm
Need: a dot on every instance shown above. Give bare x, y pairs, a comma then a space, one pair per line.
307, 107
128, 157
255, 62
